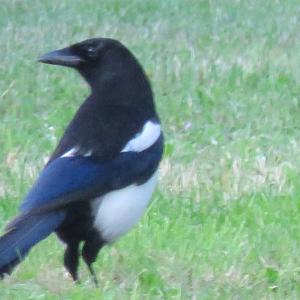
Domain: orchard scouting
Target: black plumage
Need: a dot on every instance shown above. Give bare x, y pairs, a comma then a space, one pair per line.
91, 159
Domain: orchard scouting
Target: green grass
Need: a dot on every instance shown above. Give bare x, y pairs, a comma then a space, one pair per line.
224, 223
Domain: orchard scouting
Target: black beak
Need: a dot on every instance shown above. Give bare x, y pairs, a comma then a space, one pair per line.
62, 57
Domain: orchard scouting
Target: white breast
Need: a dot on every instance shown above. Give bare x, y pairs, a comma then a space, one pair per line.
119, 211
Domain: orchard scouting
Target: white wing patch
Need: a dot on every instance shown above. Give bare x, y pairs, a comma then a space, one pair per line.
89, 153
118, 211
141, 141
146, 138
70, 153
74, 152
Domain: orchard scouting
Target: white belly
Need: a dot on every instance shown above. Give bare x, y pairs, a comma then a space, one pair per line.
118, 211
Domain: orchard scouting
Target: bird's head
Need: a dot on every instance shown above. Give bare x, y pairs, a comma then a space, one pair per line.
87, 53
108, 67
92, 57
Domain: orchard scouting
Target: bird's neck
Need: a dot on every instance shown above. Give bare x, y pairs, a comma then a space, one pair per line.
122, 89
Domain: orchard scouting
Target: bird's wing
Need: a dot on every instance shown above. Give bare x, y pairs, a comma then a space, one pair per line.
103, 131
78, 178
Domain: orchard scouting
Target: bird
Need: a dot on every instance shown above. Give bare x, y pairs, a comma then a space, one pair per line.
99, 180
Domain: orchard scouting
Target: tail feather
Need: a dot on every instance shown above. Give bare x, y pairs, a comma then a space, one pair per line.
16, 243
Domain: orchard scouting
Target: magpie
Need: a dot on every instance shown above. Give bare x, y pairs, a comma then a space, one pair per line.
100, 178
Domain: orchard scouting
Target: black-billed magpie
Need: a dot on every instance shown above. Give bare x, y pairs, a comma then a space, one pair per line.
100, 178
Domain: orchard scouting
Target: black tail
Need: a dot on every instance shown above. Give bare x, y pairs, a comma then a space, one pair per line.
23, 235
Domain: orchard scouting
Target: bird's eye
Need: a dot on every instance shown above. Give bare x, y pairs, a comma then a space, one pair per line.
91, 50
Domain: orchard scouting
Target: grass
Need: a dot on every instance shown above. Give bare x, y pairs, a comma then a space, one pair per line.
224, 223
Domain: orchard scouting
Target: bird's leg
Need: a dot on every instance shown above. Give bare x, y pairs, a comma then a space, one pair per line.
93, 274
71, 259
89, 254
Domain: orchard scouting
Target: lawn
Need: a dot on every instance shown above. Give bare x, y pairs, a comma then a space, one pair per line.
224, 221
